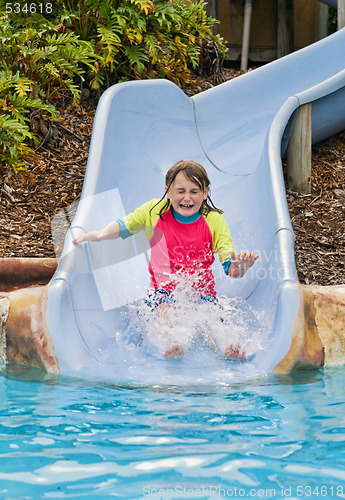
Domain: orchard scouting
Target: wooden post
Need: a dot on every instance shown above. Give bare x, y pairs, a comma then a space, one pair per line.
212, 11
285, 27
341, 14
299, 152
323, 20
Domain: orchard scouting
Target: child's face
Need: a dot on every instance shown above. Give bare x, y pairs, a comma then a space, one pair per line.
186, 196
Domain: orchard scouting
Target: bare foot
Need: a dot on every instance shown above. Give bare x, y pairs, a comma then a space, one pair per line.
175, 351
235, 352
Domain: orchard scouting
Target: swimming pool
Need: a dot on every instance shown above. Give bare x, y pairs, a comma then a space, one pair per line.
63, 437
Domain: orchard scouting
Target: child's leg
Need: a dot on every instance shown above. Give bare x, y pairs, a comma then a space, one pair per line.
168, 345
162, 335
217, 335
224, 346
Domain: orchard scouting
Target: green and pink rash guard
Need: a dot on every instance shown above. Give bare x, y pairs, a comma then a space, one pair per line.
181, 246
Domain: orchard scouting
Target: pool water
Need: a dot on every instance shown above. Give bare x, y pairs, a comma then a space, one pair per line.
63, 437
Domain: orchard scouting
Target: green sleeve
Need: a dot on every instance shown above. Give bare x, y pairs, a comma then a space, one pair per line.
144, 218
221, 238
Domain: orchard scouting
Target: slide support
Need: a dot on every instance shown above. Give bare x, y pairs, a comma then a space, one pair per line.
299, 152
246, 34
341, 14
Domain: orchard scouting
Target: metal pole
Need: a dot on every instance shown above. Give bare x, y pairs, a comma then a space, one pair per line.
246, 34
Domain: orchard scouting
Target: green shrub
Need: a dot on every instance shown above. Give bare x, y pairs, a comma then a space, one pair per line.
106, 42
141, 38
52, 60
100, 42
15, 109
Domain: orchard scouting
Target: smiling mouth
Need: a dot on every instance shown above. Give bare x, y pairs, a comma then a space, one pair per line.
186, 206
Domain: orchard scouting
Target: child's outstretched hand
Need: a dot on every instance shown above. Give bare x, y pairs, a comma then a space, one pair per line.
92, 236
110, 232
241, 263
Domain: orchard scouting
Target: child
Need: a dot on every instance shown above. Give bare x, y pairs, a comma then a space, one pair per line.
184, 230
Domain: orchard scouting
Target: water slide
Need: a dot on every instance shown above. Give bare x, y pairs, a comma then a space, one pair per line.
238, 131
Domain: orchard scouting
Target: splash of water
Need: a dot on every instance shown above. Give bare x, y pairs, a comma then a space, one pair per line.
190, 324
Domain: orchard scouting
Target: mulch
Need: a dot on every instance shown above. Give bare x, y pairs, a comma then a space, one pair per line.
319, 219
33, 201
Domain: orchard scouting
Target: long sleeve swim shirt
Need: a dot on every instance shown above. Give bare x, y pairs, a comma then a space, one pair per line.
181, 247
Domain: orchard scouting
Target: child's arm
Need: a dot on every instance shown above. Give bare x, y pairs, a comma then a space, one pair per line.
108, 232
241, 263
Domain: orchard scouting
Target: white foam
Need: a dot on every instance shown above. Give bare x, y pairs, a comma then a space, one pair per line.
211, 326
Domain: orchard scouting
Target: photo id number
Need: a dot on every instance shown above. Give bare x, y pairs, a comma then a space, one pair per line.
28, 8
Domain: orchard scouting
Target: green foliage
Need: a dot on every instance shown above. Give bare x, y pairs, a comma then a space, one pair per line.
141, 38
38, 61
95, 43
50, 59
15, 109
104, 42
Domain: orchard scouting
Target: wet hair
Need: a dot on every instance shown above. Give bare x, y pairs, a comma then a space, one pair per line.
195, 173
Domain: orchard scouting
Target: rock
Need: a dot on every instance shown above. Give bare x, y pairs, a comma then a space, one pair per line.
28, 340
318, 337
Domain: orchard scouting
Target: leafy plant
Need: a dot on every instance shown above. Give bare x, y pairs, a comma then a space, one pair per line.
141, 38
53, 60
106, 41
15, 109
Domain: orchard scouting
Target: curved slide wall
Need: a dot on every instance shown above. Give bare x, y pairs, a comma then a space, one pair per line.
235, 130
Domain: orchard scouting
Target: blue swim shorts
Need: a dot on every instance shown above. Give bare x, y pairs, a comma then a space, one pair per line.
160, 296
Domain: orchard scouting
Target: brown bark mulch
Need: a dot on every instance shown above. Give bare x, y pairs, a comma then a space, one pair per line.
31, 200
319, 219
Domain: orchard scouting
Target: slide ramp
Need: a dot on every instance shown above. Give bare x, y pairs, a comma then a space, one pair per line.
238, 131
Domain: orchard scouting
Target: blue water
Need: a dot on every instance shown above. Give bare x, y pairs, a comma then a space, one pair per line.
63, 437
